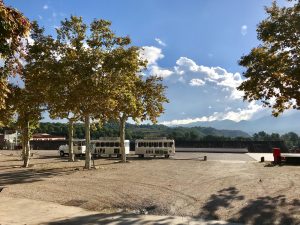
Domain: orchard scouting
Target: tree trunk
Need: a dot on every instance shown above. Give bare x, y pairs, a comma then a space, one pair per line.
23, 133
27, 146
122, 138
88, 155
71, 149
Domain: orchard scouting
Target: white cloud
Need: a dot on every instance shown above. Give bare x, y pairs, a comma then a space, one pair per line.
45, 7
156, 70
217, 75
244, 30
238, 115
151, 54
186, 64
160, 42
197, 82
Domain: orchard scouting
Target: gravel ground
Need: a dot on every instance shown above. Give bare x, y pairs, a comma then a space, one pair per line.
231, 187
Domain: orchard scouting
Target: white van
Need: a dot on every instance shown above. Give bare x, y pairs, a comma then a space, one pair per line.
78, 148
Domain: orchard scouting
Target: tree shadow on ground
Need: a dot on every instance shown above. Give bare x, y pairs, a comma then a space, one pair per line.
222, 199
113, 218
29, 176
261, 211
269, 210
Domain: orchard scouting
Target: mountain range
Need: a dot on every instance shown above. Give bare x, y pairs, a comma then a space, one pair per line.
269, 124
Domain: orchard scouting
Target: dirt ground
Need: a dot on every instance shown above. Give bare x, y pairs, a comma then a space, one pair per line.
231, 187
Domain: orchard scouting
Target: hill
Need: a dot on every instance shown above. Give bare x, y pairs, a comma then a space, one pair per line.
141, 131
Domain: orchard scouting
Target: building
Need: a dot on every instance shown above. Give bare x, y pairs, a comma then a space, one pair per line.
46, 137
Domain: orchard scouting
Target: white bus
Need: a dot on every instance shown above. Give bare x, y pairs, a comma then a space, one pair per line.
155, 147
78, 148
108, 146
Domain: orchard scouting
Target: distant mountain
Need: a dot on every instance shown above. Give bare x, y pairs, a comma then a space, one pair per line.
269, 124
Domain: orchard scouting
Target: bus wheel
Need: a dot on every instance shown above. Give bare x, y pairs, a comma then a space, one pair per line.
167, 156
61, 153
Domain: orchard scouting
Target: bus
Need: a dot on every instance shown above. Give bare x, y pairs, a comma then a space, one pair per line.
155, 147
79, 148
108, 146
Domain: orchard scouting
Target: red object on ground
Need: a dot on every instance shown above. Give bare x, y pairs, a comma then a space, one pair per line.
276, 155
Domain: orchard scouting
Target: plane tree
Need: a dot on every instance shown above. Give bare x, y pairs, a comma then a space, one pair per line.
136, 97
13, 27
83, 83
273, 67
27, 113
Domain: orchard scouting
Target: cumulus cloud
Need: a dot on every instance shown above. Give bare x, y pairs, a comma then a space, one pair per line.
45, 7
217, 75
156, 70
152, 55
238, 115
160, 42
244, 30
197, 82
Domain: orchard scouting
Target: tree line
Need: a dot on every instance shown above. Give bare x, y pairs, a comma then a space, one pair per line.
134, 132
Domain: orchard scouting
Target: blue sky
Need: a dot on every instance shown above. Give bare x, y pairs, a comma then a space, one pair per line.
194, 44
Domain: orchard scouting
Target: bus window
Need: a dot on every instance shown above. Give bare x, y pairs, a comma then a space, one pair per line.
159, 144
75, 143
111, 144
146, 144
171, 144
97, 144
102, 144
117, 144
165, 144
155, 144
106, 144
150, 144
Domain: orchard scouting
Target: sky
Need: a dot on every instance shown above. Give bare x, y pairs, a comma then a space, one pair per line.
195, 45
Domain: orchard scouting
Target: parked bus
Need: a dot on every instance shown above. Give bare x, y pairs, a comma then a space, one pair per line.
108, 146
78, 148
155, 147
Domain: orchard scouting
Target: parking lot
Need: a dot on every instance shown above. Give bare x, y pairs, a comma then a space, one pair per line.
230, 187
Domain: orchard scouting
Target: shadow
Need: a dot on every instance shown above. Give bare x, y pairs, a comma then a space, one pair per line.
195, 159
269, 210
29, 176
222, 199
50, 157
113, 218
260, 211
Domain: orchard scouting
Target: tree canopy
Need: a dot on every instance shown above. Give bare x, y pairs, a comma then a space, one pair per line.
13, 27
273, 68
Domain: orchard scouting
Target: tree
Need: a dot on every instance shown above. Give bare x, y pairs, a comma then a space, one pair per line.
291, 139
135, 97
13, 27
273, 67
81, 54
27, 113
